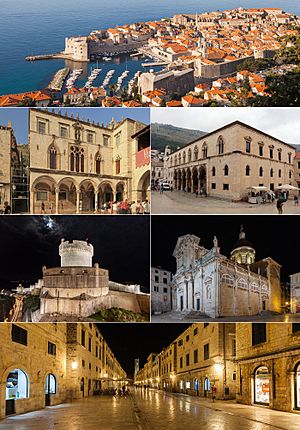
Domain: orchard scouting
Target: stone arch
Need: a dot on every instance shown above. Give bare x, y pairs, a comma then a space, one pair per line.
120, 191
106, 192
67, 195
188, 180
261, 379
202, 179
195, 179
183, 179
43, 191
17, 382
88, 190
143, 188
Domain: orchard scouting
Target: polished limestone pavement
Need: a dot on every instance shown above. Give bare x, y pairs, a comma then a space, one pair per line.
179, 202
149, 409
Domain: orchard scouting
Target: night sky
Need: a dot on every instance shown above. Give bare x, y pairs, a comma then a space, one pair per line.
129, 341
121, 245
271, 236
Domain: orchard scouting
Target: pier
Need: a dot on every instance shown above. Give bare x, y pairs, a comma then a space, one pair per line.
157, 63
58, 80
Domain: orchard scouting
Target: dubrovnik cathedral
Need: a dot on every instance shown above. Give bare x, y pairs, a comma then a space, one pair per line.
210, 283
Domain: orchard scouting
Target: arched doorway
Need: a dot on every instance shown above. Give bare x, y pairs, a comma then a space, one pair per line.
202, 179
262, 386
50, 388
66, 196
17, 387
195, 180
106, 193
120, 192
297, 386
43, 190
87, 196
144, 187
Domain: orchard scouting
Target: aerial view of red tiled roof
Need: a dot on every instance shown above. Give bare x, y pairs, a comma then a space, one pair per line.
14, 99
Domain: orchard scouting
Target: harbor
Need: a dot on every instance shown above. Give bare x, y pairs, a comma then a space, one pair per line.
58, 80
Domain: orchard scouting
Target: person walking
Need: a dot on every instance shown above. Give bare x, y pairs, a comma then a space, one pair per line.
279, 206
214, 393
296, 201
146, 207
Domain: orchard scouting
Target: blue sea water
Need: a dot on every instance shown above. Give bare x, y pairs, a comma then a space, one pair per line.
40, 26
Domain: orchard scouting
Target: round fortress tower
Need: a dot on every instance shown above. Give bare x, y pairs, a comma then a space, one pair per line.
76, 253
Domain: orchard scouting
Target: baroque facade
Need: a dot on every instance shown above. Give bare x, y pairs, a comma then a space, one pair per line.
78, 289
47, 364
226, 162
76, 165
210, 283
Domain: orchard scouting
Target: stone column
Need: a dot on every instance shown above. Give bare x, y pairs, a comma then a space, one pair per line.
193, 295
96, 201
187, 294
56, 200
77, 201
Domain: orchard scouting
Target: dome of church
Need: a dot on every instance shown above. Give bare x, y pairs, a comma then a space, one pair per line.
243, 251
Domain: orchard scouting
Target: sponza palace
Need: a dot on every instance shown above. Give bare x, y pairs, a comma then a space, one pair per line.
226, 161
76, 165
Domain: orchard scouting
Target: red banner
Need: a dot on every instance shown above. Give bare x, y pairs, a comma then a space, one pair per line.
143, 157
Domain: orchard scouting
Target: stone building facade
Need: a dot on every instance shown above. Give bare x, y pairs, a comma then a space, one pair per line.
295, 292
268, 358
80, 289
212, 284
200, 358
161, 290
226, 162
13, 172
76, 165
47, 364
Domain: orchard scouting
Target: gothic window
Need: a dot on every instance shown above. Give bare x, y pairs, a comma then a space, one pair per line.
196, 153
213, 171
175, 160
98, 163
261, 171
189, 155
226, 170
261, 150
118, 166
179, 158
271, 151
290, 157
247, 170
279, 154
220, 145
53, 157
271, 173
77, 159
204, 150
183, 157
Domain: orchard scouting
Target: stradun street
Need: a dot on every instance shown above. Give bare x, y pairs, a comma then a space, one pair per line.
149, 409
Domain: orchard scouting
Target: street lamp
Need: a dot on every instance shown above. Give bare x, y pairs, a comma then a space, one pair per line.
74, 365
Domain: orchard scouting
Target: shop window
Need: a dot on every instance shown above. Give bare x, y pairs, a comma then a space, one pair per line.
262, 386
17, 385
